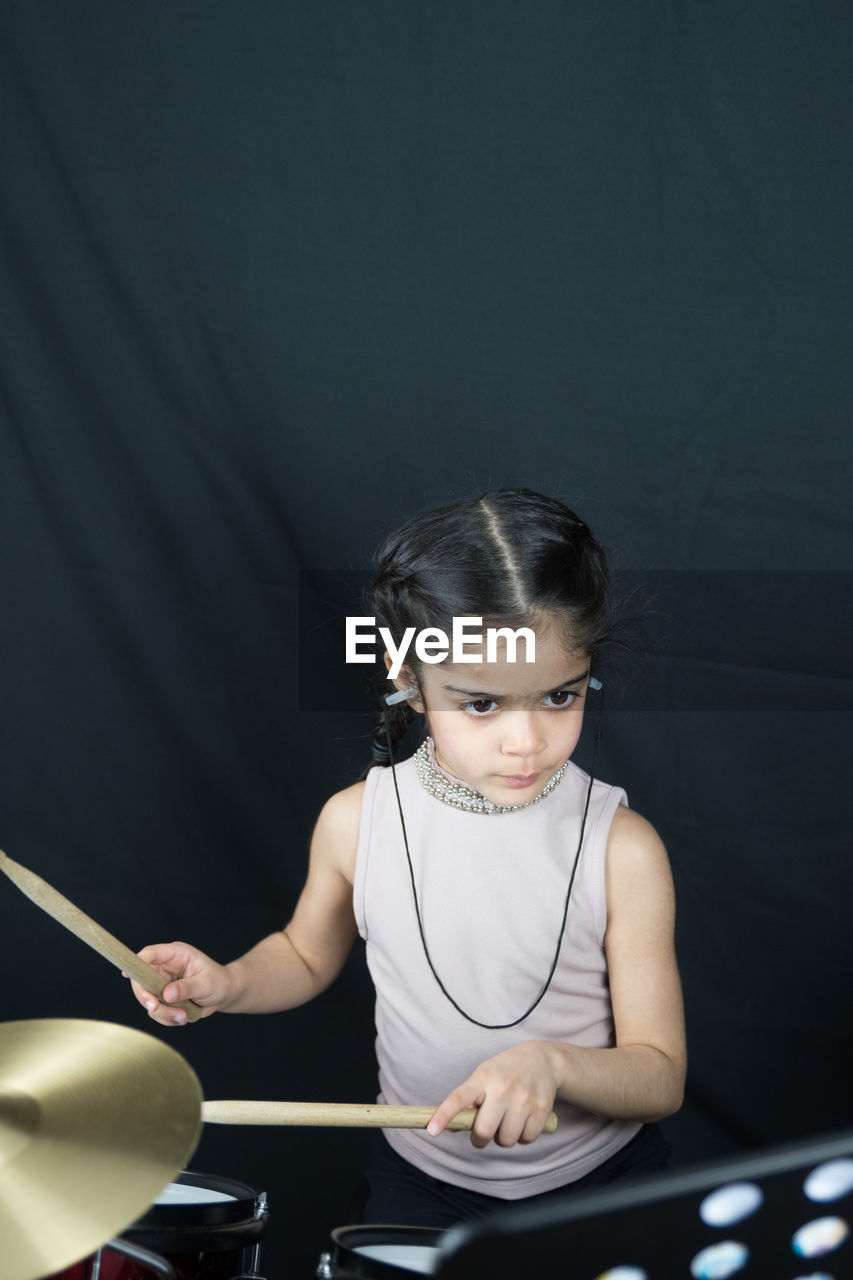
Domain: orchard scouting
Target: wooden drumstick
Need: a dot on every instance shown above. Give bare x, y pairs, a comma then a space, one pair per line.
349, 1115
89, 931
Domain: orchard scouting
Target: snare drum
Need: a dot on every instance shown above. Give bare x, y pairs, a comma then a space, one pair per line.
207, 1227
380, 1253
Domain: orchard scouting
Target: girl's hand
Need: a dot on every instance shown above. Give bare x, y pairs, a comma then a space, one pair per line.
513, 1093
194, 977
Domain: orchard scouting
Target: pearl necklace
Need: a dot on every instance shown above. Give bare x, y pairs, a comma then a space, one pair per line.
459, 796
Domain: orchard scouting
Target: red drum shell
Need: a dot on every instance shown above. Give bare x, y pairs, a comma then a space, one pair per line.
112, 1263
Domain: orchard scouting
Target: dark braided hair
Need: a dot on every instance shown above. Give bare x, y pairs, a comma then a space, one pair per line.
512, 556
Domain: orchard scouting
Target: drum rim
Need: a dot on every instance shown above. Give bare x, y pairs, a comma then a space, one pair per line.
347, 1239
215, 1226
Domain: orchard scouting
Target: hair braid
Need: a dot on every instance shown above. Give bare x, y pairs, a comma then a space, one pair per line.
388, 722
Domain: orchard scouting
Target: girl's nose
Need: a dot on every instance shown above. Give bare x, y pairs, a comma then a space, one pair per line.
522, 736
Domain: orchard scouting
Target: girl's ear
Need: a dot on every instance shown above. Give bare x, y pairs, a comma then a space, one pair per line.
405, 683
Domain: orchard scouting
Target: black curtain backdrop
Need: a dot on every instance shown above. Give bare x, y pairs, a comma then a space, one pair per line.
275, 276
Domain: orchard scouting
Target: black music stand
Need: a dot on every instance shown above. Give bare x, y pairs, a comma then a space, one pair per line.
780, 1214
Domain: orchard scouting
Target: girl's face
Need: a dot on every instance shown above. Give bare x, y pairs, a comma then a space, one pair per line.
505, 727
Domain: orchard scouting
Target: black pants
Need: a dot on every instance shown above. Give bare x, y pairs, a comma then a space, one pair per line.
395, 1192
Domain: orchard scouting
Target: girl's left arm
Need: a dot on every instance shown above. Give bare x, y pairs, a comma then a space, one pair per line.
642, 1076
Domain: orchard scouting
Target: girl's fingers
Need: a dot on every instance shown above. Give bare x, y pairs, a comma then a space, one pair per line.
506, 1124
455, 1102
533, 1127
499, 1119
489, 1118
186, 989
490, 1114
156, 1009
169, 957
144, 997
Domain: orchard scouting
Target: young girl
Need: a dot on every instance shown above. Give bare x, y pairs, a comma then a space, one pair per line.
518, 917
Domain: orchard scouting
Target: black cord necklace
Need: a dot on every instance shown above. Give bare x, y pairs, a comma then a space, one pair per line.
497, 1026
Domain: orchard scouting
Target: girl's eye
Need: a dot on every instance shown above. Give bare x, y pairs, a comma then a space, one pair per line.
481, 707
562, 698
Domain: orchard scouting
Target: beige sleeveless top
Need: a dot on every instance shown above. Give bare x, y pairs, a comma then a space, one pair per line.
491, 889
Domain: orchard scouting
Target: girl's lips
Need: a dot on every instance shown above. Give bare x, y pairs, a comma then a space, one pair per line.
521, 781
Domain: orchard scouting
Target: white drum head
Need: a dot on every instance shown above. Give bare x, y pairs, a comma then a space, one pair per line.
183, 1193
420, 1259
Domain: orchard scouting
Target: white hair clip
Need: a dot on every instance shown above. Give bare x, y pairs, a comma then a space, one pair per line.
401, 695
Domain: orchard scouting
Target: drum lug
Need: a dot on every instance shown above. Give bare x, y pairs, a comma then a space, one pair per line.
324, 1267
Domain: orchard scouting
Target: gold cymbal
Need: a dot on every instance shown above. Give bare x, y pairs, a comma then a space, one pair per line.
95, 1119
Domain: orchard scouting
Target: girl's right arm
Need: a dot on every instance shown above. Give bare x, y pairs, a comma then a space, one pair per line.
289, 967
